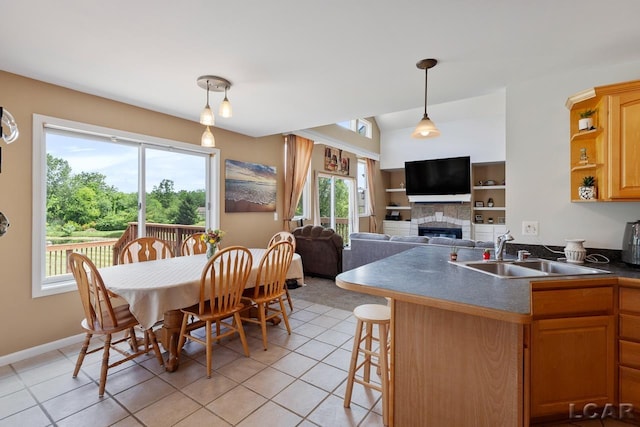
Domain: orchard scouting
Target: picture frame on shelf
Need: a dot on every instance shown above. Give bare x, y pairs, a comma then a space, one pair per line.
479, 204
479, 219
501, 220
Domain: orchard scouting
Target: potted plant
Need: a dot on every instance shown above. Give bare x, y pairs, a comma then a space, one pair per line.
587, 190
586, 121
453, 256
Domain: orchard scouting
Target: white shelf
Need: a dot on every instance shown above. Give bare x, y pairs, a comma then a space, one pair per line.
396, 190
495, 208
399, 208
489, 187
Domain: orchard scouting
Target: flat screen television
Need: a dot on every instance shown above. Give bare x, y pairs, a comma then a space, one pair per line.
438, 176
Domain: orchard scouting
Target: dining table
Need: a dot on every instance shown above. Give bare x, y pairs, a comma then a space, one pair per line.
156, 291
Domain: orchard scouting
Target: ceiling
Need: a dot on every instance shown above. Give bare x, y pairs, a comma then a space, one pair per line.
298, 64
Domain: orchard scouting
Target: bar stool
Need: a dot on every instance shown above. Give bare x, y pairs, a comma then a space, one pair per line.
369, 315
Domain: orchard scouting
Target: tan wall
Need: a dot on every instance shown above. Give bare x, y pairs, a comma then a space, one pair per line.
46, 319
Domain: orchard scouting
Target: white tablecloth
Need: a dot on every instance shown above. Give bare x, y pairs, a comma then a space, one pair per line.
153, 287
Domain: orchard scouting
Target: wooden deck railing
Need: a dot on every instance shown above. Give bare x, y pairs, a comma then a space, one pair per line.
342, 227
100, 252
105, 253
172, 233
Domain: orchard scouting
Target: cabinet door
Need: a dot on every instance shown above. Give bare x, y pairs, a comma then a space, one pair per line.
572, 362
624, 170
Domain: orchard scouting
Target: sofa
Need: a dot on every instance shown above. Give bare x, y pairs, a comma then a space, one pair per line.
320, 249
368, 247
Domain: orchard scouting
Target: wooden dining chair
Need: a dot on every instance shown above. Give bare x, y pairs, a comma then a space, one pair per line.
288, 237
193, 245
102, 318
221, 285
270, 287
145, 249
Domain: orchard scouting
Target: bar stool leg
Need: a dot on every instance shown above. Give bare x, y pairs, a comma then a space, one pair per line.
352, 366
367, 355
384, 368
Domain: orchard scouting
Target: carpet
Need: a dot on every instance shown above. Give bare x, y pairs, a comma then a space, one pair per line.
326, 292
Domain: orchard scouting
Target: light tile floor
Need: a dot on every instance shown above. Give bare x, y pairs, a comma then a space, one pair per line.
299, 381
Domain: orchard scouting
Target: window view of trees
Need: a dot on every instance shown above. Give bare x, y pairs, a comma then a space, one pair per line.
83, 201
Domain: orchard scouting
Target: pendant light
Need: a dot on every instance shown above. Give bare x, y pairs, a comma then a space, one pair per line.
216, 84
225, 107
426, 128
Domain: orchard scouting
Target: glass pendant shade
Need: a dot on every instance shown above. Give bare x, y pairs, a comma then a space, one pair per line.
206, 117
225, 108
425, 129
208, 139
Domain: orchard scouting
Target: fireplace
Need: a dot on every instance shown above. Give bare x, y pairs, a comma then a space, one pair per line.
454, 233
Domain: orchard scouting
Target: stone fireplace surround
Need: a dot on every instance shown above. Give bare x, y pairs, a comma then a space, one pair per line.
443, 215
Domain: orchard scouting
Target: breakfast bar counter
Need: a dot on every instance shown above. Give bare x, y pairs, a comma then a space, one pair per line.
460, 343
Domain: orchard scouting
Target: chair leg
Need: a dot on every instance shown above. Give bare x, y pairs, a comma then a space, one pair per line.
289, 298
262, 308
243, 338
83, 352
207, 327
133, 340
217, 331
105, 365
183, 333
284, 315
352, 365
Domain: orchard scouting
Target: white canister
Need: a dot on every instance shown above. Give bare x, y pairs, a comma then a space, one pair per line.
575, 251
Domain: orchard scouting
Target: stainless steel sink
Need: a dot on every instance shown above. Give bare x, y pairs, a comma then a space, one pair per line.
531, 268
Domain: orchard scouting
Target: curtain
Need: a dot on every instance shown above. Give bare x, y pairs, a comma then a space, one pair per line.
297, 159
373, 224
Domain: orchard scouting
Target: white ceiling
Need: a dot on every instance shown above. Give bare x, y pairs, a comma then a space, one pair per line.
296, 64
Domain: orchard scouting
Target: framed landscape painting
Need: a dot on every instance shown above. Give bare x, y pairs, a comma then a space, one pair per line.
249, 187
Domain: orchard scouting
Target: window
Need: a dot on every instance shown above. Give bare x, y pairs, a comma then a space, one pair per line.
336, 203
361, 126
90, 183
363, 192
303, 209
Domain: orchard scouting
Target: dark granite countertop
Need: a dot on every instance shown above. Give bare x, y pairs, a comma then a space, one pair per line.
424, 275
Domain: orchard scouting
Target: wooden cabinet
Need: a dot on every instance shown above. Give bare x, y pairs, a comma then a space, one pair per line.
572, 347
609, 151
629, 342
488, 232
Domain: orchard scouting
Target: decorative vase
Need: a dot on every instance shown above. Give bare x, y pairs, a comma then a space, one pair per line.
211, 249
575, 251
587, 193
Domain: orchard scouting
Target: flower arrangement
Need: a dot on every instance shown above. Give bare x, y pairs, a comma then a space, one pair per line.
212, 237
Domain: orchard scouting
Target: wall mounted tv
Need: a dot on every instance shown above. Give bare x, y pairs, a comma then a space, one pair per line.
438, 176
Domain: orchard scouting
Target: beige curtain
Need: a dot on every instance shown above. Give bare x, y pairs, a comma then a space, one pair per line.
297, 159
373, 223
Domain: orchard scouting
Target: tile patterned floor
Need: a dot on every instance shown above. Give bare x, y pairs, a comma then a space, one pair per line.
299, 381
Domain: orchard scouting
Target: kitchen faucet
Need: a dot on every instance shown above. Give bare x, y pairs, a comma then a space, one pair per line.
500, 243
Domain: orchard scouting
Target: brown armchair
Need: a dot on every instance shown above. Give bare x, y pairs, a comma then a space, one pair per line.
320, 249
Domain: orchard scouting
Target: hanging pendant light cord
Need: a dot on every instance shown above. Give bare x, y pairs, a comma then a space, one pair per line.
426, 71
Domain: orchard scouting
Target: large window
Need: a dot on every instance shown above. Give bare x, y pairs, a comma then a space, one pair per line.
92, 184
336, 203
363, 185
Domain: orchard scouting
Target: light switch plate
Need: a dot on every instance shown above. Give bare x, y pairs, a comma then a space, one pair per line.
529, 228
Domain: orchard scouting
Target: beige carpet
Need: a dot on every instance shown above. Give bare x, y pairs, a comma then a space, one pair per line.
325, 291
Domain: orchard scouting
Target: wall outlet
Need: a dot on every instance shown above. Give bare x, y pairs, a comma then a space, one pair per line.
529, 228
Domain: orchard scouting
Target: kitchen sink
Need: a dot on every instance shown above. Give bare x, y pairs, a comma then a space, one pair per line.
531, 268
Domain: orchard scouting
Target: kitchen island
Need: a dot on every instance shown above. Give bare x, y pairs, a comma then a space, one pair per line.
461, 339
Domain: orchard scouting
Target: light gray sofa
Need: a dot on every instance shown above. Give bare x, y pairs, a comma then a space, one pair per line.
368, 247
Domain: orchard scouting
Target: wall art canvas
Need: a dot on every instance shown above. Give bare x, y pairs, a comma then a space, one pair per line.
334, 162
249, 187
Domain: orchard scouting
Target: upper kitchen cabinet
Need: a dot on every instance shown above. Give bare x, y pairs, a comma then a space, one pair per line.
608, 147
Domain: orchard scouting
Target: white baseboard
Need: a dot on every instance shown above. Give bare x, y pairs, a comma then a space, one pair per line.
40, 349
